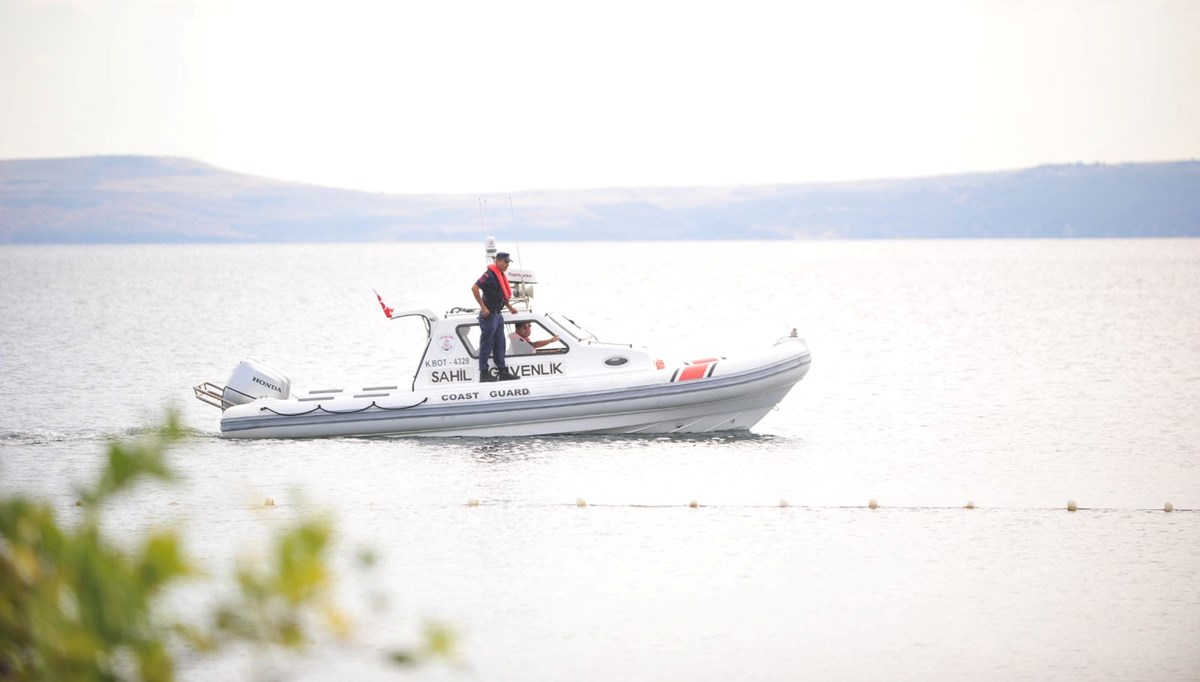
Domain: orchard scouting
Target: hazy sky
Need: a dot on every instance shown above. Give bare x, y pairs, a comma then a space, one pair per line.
492, 96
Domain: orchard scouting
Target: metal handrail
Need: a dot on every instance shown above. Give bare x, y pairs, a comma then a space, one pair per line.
211, 393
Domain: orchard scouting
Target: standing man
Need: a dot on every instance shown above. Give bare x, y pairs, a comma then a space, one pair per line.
492, 292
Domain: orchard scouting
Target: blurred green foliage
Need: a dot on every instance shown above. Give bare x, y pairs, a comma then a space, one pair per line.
74, 606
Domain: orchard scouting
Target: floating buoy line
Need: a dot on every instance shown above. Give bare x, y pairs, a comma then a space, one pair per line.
872, 504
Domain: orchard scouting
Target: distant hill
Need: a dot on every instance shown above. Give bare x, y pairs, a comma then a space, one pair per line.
151, 199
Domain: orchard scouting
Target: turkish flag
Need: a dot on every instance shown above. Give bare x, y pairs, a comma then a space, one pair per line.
386, 310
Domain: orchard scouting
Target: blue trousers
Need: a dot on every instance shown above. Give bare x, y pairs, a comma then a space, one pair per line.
491, 341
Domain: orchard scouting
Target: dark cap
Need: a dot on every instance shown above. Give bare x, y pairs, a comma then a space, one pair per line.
503, 255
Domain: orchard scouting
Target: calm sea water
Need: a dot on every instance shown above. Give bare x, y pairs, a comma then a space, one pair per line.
1016, 375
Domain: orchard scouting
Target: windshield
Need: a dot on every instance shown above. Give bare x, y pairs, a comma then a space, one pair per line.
571, 328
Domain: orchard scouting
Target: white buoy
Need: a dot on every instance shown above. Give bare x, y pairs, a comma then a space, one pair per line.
473, 502
970, 505
580, 502
268, 502
783, 503
1168, 507
1071, 506
873, 504
693, 504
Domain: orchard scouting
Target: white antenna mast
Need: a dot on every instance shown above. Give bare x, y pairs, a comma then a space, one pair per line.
489, 243
512, 219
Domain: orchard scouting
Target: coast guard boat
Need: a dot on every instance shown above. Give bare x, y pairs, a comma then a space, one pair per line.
577, 384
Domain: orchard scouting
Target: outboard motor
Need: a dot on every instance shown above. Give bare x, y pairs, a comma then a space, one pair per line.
253, 379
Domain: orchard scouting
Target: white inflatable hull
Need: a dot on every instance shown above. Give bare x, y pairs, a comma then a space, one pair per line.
734, 396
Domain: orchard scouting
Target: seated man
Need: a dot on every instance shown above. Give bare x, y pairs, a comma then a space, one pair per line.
519, 343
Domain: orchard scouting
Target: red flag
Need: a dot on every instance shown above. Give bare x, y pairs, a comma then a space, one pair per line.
386, 310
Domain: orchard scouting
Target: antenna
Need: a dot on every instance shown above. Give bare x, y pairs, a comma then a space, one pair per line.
482, 226
489, 242
512, 219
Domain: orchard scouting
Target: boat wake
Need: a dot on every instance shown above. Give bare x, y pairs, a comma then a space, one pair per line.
98, 437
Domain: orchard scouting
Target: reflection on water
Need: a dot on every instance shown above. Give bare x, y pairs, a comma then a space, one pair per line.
502, 450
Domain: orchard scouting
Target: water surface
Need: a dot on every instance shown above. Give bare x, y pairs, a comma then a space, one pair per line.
1016, 375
